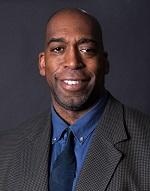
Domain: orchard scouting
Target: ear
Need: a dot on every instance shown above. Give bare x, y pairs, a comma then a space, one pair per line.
42, 63
106, 63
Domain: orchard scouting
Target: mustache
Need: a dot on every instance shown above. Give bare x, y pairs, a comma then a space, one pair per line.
73, 74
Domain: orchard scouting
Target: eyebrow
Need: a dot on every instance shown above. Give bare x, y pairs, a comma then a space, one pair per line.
87, 40
55, 40
81, 41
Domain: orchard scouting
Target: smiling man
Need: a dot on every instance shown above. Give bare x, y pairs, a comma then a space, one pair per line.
74, 63
87, 141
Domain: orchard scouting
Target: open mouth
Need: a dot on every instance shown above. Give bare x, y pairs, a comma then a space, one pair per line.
72, 82
74, 85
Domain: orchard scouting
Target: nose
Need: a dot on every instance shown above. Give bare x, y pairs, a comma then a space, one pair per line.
73, 59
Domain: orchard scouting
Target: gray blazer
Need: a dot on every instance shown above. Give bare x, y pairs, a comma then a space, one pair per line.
118, 158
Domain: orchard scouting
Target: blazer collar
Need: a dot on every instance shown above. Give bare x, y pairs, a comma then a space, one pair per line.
103, 157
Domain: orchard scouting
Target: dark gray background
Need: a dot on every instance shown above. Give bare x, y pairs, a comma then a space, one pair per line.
126, 31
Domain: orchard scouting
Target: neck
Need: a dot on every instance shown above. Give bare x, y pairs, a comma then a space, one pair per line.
71, 116
67, 115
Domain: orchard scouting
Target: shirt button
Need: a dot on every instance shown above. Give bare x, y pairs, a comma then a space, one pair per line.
54, 140
81, 139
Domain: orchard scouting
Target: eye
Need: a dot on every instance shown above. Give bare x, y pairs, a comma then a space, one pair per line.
57, 50
88, 51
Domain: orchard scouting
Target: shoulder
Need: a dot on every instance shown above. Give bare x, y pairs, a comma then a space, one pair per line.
131, 115
135, 122
13, 142
26, 130
135, 116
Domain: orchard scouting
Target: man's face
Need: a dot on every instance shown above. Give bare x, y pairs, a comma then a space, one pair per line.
73, 62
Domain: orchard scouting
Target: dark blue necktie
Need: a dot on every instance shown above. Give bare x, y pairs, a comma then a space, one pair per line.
63, 171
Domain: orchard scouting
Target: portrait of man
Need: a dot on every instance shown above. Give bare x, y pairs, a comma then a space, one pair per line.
87, 140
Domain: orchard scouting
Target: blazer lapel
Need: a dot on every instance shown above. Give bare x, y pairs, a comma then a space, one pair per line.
103, 158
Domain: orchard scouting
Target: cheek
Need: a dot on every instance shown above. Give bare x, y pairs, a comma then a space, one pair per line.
50, 72
53, 64
96, 67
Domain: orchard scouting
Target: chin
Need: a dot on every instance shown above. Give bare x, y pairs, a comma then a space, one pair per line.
72, 104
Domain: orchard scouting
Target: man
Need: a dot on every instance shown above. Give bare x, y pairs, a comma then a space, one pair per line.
109, 143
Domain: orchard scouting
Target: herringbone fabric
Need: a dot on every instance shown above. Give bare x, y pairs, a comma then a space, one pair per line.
118, 158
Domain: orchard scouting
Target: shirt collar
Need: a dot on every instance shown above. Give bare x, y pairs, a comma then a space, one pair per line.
58, 124
84, 126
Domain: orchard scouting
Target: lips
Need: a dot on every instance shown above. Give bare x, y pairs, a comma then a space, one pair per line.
73, 81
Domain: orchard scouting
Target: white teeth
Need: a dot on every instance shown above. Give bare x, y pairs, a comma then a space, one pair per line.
71, 82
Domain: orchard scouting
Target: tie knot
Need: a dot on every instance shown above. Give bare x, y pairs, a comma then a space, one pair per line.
69, 132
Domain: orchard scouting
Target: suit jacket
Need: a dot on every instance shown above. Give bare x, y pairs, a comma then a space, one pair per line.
118, 158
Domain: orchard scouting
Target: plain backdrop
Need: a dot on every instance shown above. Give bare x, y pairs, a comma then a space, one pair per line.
126, 32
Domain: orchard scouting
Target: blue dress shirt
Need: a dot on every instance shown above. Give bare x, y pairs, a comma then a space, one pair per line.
82, 129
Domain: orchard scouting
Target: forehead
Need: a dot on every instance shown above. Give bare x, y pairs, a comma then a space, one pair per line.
71, 24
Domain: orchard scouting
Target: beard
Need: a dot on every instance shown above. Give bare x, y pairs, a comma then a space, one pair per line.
78, 102
70, 104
